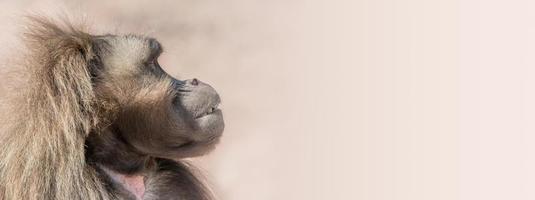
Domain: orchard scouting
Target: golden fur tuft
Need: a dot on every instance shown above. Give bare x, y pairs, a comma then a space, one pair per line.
42, 151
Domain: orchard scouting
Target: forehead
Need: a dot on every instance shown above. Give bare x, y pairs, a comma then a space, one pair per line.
130, 51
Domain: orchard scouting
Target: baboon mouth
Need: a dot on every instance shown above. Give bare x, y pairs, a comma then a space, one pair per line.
211, 110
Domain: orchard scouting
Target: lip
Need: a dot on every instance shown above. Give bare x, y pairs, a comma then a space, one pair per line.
213, 111
213, 108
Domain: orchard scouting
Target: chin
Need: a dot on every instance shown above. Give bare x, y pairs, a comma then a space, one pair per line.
211, 125
195, 149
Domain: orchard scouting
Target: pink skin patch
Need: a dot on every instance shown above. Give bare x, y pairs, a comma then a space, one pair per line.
133, 183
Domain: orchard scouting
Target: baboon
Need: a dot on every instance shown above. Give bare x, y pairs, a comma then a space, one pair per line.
98, 118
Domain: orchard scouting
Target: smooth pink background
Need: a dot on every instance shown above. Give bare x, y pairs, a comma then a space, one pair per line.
348, 99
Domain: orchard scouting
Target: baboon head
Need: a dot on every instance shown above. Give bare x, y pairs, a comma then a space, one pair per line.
97, 107
156, 114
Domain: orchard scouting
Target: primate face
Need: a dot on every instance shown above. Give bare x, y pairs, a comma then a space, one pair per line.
157, 114
98, 118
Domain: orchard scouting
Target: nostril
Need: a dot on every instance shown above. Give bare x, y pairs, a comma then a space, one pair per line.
195, 82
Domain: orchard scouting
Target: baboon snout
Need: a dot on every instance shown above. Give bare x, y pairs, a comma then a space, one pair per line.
200, 99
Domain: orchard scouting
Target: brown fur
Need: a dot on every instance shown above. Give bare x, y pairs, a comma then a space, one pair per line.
63, 125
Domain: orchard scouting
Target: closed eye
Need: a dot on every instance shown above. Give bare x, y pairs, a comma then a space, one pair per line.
155, 49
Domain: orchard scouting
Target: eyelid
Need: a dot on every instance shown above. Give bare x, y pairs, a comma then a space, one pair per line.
155, 47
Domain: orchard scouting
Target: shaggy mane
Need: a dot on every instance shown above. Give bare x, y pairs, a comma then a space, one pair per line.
42, 150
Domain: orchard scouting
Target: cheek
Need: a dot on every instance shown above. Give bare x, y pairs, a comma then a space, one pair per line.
152, 128
151, 123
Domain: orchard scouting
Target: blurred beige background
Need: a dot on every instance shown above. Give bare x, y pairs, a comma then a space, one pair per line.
347, 99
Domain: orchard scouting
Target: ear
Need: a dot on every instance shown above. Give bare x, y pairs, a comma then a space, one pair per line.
60, 65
